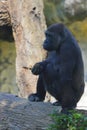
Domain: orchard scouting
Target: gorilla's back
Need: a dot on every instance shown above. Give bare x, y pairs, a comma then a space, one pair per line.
78, 73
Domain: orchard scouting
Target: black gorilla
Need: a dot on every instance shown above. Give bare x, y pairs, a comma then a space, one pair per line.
62, 73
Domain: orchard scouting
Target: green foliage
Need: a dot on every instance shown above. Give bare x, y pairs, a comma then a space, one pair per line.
50, 13
72, 121
55, 12
7, 67
79, 30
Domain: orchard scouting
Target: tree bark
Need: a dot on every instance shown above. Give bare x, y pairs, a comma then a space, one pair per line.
20, 114
28, 24
4, 13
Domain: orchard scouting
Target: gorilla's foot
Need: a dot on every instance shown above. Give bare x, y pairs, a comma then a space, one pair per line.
67, 110
34, 98
57, 103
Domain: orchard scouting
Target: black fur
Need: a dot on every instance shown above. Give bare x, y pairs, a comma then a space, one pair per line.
62, 73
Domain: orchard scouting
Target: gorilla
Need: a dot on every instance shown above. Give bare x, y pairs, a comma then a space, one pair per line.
62, 72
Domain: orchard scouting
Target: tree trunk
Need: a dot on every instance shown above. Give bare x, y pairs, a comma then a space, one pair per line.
28, 24
4, 13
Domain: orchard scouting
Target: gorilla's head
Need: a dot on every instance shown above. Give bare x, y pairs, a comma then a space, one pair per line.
55, 35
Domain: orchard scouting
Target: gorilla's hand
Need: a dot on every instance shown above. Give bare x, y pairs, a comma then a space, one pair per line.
37, 68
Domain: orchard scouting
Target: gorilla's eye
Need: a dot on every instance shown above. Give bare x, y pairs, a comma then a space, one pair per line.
49, 34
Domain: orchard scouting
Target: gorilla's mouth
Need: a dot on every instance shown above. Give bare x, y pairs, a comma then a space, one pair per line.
47, 47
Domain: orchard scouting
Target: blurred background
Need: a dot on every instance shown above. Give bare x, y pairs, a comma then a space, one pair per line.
72, 13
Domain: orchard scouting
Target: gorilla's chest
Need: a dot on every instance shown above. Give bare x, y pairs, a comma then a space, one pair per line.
52, 68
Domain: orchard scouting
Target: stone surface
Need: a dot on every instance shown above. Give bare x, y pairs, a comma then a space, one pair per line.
20, 114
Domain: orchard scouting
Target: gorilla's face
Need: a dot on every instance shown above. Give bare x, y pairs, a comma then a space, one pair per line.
52, 41
54, 36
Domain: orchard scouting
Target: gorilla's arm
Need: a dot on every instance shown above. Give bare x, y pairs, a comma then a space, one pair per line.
39, 67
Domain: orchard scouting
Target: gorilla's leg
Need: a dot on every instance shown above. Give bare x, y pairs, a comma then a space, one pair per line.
69, 100
41, 92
